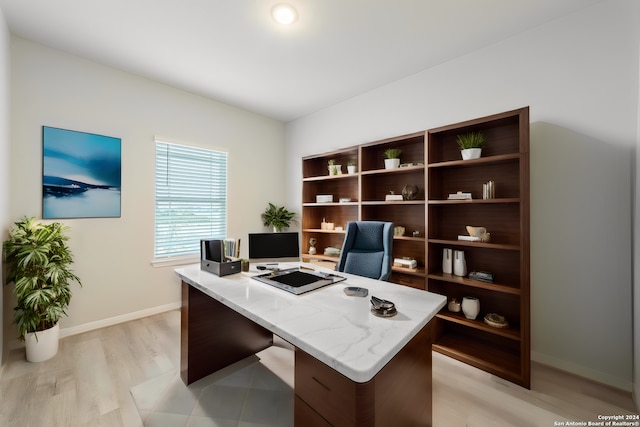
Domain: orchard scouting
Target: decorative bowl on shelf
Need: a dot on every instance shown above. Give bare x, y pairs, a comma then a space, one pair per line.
410, 192
478, 234
495, 320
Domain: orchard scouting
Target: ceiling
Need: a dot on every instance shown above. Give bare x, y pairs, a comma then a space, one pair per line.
232, 51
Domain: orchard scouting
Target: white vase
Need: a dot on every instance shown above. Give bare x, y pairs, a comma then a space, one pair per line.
471, 153
391, 163
447, 261
43, 346
351, 169
459, 264
470, 307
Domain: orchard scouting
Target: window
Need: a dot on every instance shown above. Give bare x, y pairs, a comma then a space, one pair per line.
191, 198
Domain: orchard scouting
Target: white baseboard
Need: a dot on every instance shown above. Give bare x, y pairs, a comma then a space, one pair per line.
92, 326
582, 371
66, 332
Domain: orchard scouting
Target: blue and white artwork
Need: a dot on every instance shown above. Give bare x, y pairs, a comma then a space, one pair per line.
81, 174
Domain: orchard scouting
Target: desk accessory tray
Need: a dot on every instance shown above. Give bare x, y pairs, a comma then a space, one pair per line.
213, 259
296, 281
221, 268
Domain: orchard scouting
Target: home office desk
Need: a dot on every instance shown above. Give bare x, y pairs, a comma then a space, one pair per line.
352, 368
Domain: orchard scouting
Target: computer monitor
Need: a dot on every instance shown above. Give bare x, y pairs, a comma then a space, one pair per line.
276, 247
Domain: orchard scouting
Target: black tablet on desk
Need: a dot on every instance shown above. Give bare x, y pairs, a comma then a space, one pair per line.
298, 281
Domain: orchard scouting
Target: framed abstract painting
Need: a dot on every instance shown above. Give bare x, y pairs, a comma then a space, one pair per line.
81, 174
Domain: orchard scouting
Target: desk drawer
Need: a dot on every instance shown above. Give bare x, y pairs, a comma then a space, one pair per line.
304, 415
329, 393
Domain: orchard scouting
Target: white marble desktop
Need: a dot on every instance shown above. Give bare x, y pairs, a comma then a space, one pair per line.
339, 330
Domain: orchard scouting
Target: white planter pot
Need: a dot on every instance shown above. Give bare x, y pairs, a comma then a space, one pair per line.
44, 346
351, 169
471, 153
335, 169
391, 163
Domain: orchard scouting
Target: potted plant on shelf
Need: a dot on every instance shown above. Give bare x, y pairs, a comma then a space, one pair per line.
351, 167
277, 217
392, 158
38, 259
471, 144
333, 168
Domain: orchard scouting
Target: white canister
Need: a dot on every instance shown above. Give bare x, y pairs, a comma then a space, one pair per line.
447, 261
459, 264
470, 307
454, 305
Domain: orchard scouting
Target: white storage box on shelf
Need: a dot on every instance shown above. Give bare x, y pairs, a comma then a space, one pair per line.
324, 198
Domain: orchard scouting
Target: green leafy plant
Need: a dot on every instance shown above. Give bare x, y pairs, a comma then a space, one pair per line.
277, 217
471, 140
333, 168
392, 153
37, 259
351, 163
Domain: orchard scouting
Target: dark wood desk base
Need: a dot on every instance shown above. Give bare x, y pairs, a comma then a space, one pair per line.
399, 395
214, 336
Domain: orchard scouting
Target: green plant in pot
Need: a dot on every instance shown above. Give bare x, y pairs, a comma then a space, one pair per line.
38, 263
277, 217
471, 144
351, 167
334, 169
392, 158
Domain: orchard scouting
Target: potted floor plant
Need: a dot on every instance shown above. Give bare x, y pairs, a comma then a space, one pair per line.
38, 262
277, 217
470, 145
392, 158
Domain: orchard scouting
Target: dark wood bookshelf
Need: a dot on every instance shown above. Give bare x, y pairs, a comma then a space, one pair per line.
431, 160
505, 160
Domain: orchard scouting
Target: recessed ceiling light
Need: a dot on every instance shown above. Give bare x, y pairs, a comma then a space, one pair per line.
284, 14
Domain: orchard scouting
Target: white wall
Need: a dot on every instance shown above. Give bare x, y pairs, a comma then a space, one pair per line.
4, 153
579, 75
112, 256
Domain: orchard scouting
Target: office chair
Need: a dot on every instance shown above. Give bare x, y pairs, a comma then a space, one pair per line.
366, 250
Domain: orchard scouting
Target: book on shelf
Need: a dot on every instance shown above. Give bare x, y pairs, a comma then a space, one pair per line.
469, 238
459, 196
411, 264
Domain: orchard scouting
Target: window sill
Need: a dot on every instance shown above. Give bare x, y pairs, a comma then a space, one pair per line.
176, 260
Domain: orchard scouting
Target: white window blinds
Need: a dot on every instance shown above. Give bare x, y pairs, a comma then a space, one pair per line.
191, 198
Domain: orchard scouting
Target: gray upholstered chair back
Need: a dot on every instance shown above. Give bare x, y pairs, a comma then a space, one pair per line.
367, 249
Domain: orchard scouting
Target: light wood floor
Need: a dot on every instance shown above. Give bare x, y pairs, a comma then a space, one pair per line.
89, 384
